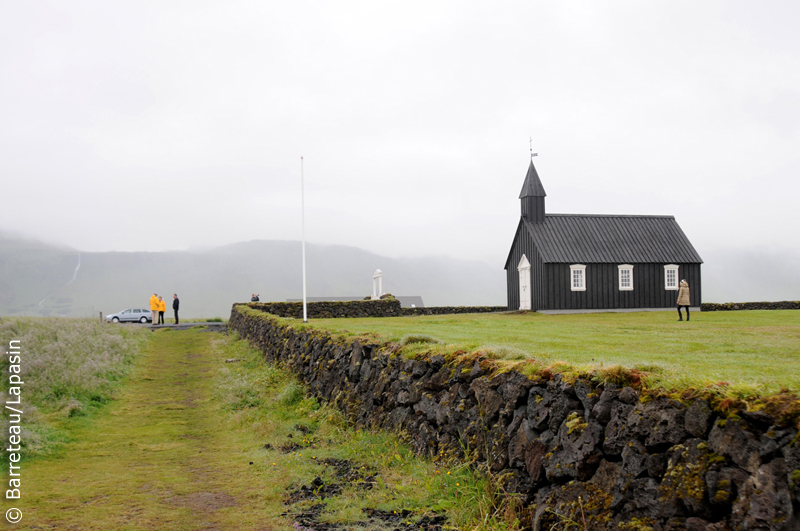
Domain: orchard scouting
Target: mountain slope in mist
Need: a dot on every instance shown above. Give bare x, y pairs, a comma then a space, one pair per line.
37, 279
42, 279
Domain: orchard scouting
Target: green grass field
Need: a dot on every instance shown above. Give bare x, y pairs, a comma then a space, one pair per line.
753, 352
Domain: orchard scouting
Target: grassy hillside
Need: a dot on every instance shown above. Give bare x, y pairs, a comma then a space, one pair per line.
36, 279
71, 367
749, 351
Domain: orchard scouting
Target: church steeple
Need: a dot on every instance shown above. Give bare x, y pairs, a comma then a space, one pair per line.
532, 196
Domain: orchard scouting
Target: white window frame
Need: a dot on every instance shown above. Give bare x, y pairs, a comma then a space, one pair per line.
629, 268
667, 286
572, 269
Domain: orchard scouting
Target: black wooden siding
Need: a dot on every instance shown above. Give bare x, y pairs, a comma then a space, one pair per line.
602, 288
533, 209
551, 285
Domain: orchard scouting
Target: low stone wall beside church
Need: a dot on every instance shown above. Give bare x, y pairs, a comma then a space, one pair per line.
331, 309
621, 459
728, 306
447, 310
365, 308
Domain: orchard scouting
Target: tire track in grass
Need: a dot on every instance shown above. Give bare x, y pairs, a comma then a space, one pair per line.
195, 443
160, 458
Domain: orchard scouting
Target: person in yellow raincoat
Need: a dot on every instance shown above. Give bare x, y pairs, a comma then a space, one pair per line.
162, 307
154, 308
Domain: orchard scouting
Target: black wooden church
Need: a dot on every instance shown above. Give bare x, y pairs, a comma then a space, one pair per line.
596, 262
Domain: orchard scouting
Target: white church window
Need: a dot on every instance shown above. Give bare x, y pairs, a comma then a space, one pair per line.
670, 277
578, 277
625, 277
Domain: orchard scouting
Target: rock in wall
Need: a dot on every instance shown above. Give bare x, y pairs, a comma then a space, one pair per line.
572, 450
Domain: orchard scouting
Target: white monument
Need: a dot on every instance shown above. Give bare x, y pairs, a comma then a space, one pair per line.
377, 284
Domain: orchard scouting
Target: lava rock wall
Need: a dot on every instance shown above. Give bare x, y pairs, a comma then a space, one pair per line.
447, 310
573, 451
728, 306
331, 309
365, 308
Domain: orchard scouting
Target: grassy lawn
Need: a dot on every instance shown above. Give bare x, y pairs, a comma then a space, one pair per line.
756, 352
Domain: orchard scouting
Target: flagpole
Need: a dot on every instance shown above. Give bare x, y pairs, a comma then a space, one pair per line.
303, 218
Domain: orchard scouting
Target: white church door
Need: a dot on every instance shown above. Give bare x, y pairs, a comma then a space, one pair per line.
524, 269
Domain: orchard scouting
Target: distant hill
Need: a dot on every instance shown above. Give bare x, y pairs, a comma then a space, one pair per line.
40, 279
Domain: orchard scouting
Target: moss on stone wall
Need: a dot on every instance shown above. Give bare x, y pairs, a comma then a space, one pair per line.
570, 448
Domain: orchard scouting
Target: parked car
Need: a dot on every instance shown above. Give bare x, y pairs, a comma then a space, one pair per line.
131, 314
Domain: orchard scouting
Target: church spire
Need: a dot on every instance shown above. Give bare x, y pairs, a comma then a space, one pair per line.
533, 185
532, 196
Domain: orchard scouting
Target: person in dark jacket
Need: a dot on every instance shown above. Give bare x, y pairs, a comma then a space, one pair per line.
254, 298
683, 300
176, 302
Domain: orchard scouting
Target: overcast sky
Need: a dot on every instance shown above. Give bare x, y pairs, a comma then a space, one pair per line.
171, 125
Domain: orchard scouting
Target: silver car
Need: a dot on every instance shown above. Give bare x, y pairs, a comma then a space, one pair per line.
131, 314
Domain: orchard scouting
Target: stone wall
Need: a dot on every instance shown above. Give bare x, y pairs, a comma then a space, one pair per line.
366, 308
626, 460
782, 305
329, 309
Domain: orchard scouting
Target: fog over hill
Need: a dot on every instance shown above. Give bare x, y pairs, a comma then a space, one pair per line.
44, 279
40, 279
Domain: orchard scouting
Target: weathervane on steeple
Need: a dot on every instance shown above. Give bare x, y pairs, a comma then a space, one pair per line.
532, 153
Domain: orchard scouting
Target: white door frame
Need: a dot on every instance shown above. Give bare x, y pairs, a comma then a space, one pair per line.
524, 269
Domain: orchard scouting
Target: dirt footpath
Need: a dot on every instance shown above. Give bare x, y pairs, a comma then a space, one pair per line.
162, 457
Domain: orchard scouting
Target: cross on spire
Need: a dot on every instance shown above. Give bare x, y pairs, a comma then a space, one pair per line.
532, 153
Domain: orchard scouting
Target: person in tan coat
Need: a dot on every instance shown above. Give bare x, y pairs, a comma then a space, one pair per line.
683, 299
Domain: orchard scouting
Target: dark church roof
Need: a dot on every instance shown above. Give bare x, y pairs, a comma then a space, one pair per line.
579, 238
532, 185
